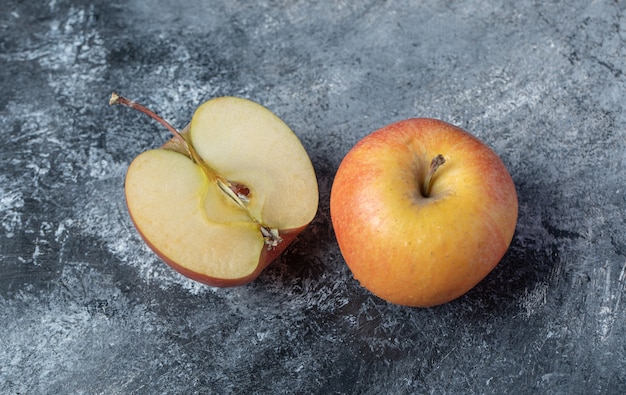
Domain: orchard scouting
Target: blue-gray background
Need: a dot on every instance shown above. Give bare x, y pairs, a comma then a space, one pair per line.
87, 308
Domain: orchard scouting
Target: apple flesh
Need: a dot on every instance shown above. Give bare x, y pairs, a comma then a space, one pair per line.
221, 200
422, 211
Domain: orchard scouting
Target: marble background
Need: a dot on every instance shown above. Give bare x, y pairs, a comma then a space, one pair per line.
86, 307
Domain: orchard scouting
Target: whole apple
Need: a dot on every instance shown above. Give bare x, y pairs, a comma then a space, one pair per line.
225, 196
422, 211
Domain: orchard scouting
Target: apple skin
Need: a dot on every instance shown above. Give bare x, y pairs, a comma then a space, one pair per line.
416, 250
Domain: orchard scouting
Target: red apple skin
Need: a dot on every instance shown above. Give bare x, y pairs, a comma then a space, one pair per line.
422, 251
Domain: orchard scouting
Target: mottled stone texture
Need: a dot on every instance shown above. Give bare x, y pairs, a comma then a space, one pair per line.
86, 307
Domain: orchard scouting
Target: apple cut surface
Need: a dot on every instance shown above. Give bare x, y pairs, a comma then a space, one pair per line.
179, 208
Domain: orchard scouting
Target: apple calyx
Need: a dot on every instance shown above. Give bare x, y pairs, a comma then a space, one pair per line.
434, 166
237, 193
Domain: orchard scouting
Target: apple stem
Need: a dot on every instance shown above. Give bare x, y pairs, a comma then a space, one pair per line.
117, 99
271, 235
434, 166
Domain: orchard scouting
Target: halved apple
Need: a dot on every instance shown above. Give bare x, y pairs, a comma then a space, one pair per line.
224, 197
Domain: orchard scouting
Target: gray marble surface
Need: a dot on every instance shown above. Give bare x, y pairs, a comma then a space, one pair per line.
86, 307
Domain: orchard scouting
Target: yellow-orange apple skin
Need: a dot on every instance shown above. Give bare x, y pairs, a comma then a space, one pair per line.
416, 250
